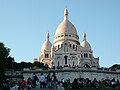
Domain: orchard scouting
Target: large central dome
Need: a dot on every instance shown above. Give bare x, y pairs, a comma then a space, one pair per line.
66, 27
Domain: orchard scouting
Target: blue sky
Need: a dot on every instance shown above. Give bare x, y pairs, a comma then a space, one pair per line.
24, 24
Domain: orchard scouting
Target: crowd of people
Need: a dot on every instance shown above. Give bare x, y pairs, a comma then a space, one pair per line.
51, 82
105, 83
43, 81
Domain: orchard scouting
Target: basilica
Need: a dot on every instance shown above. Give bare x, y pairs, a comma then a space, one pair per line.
66, 49
69, 57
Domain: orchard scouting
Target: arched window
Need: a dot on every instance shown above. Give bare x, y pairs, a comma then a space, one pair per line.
46, 55
58, 64
85, 55
76, 47
58, 46
86, 66
81, 56
65, 59
73, 46
70, 45
62, 35
66, 35
73, 63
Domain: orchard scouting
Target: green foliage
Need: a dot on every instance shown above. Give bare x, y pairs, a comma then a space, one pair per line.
4, 54
38, 64
34, 67
115, 66
9, 63
22, 65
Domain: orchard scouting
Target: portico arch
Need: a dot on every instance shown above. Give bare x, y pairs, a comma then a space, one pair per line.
86, 65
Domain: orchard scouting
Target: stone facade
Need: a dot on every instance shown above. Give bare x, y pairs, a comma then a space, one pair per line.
66, 50
69, 57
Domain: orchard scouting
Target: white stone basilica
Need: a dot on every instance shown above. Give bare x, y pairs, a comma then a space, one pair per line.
66, 49
68, 57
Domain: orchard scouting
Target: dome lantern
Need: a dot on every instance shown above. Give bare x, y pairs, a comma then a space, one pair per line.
85, 43
47, 44
65, 14
84, 36
47, 36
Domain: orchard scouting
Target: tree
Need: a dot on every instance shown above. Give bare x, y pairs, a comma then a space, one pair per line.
20, 66
38, 64
115, 67
9, 63
4, 54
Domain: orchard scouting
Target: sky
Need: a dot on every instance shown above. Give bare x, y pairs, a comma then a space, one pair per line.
24, 24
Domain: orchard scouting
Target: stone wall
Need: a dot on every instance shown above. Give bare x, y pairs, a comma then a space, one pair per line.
76, 73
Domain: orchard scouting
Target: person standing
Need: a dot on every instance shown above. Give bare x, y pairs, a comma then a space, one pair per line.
34, 79
60, 86
54, 81
42, 81
22, 84
29, 84
48, 81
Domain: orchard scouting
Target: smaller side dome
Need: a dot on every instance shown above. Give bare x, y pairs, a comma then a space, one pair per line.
85, 43
47, 44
